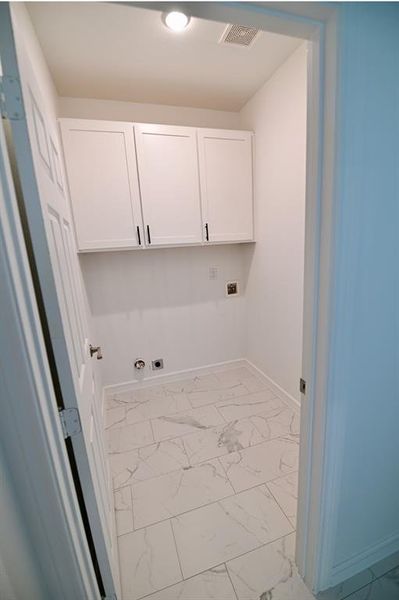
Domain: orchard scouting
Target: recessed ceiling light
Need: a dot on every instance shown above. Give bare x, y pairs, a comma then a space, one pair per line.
176, 20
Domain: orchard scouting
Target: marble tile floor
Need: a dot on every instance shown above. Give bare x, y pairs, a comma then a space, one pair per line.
205, 475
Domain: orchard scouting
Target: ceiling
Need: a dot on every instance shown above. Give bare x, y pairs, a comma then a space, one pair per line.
116, 52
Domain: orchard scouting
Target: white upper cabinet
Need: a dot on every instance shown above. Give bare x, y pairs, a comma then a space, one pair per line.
169, 184
225, 159
102, 173
147, 185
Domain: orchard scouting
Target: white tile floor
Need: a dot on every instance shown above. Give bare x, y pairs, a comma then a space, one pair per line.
205, 477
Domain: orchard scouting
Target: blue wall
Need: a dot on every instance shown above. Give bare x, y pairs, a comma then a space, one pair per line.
364, 380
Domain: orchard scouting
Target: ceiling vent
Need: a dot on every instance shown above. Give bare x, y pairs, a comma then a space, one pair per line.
239, 35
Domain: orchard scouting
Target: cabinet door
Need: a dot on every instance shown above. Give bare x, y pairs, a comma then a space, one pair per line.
169, 184
225, 159
101, 166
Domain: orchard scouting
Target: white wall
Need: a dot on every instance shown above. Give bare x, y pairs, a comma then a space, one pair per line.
83, 108
277, 114
162, 304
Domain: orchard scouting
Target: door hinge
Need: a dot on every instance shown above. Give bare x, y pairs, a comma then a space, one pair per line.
11, 104
70, 422
302, 386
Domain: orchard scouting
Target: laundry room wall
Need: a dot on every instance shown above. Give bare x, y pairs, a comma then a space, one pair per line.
277, 114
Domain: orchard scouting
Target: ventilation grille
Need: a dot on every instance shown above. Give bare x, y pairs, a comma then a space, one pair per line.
239, 35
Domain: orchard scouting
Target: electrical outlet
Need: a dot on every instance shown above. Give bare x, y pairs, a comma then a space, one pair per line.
157, 364
232, 288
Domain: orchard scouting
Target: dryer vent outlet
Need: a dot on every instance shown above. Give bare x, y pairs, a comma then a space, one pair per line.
157, 364
232, 288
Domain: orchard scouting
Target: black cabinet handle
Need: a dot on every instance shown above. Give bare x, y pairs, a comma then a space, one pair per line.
138, 235
206, 232
148, 234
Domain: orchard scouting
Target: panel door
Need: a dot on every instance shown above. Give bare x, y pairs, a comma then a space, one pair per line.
225, 159
168, 173
65, 309
100, 159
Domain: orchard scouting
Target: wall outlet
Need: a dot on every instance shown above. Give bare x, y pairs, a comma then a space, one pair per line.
232, 288
213, 272
157, 364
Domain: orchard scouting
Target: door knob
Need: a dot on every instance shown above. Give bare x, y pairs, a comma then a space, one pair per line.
96, 350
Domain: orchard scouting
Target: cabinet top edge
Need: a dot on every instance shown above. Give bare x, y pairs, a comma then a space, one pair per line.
150, 123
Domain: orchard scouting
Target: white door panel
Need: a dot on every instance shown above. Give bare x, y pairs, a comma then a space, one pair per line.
168, 171
75, 366
225, 159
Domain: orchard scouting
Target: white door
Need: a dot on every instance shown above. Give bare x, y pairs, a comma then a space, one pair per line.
57, 263
168, 172
225, 159
100, 159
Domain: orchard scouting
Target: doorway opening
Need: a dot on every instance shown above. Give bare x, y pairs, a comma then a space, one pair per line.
186, 176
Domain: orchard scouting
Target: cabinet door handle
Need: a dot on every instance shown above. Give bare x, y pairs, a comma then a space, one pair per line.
206, 232
148, 234
138, 235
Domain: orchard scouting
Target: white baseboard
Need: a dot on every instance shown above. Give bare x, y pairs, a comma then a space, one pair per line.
278, 390
135, 384
383, 553
173, 376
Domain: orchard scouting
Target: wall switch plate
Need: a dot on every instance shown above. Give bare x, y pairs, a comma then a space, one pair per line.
232, 288
157, 364
213, 272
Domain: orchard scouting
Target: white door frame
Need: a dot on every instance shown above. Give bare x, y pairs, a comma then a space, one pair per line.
317, 24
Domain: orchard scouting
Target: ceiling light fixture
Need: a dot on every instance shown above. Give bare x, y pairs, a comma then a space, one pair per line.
176, 20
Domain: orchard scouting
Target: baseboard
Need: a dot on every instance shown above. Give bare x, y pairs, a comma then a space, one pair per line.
173, 376
378, 554
211, 368
278, 390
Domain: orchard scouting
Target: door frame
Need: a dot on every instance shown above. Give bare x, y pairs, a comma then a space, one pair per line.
315, 23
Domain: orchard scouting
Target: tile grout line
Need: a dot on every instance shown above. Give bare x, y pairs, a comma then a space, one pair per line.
220, 564
219, 413
213, 404
167, 587
285, 436
187, 394
231, 581
213, 458
225, 473
176, 548
192, 509
259, 485
279, 505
